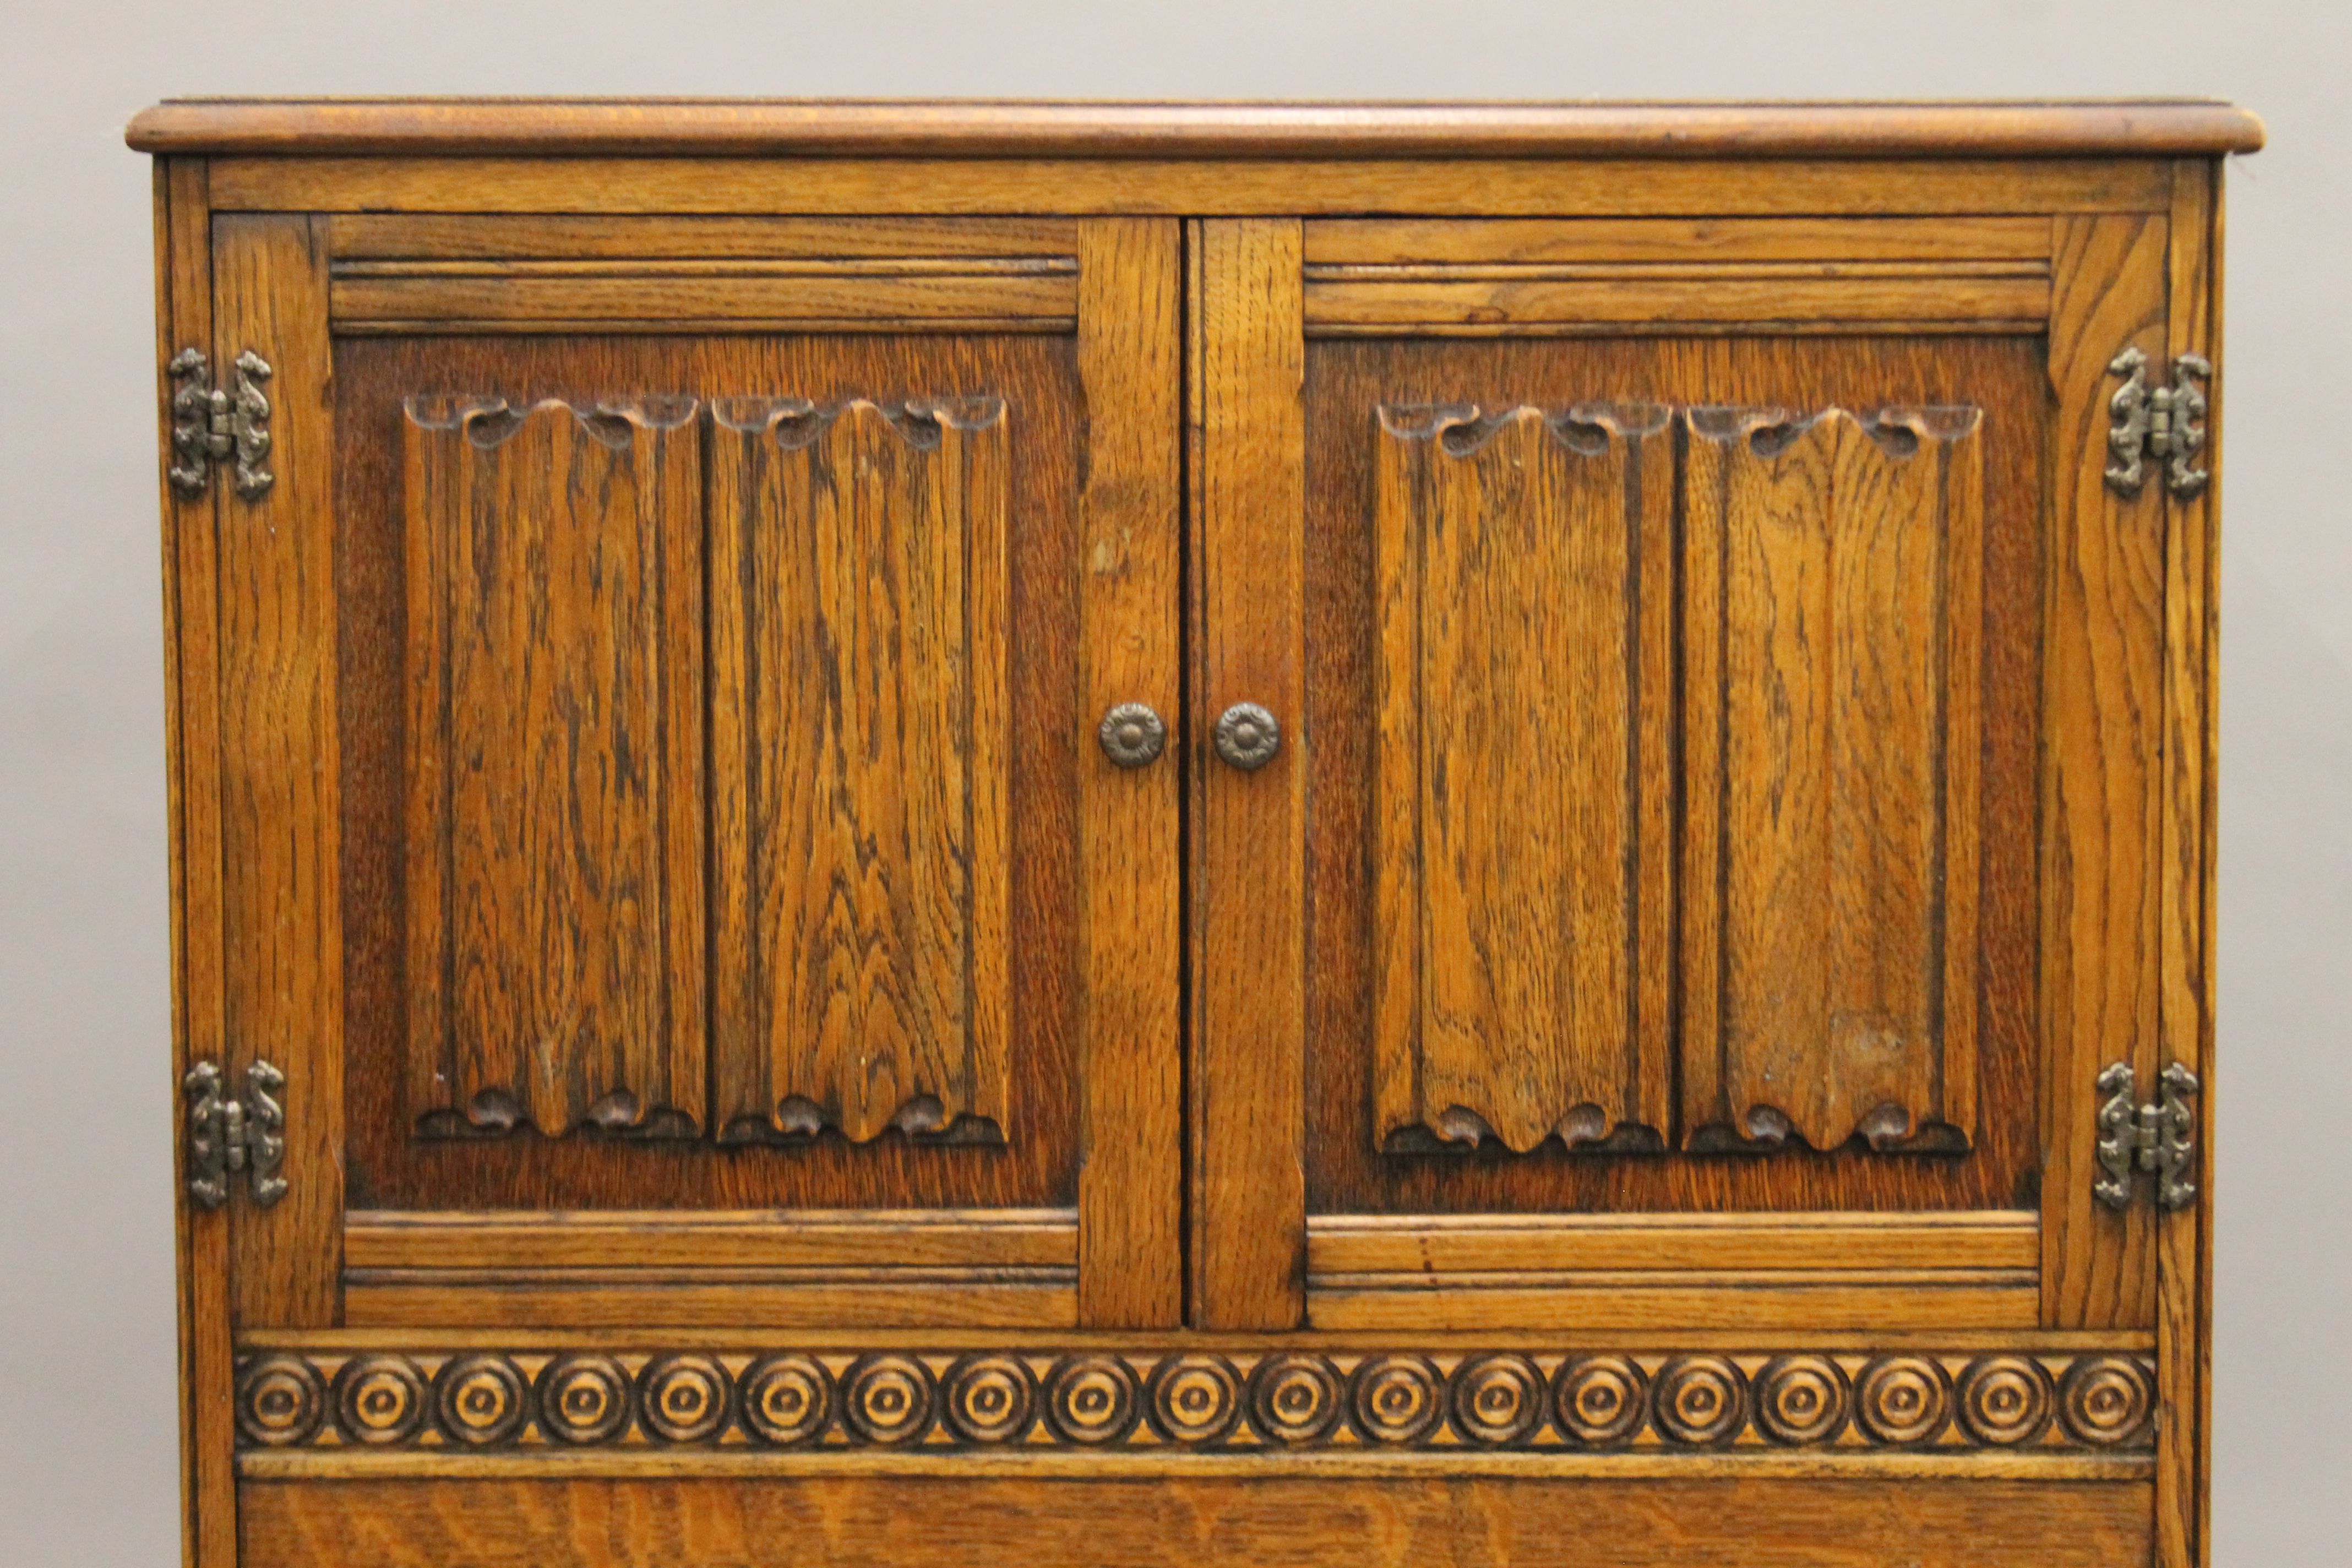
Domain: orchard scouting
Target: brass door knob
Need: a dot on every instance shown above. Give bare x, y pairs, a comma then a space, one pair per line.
1248, 736
1132, 734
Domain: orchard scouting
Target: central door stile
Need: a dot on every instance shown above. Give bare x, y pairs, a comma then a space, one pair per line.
1248, 852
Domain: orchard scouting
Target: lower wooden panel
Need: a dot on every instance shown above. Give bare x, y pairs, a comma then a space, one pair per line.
1263, 1523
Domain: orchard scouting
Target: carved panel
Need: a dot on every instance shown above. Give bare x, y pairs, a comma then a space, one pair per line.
1141, 1402
1831, 641
554, 767
859, 626
1525, 579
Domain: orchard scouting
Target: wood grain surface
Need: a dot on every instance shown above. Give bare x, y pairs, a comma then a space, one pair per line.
1498, 187
1037, 379
1831, 611
1003, 128
555, 790
1130, 363
2101, 780
860, 638
1248, 907
1346, 382
277, 601
1526, 603
1475, 1524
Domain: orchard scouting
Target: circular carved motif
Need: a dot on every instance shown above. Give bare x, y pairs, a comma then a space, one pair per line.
1093, 1399
684, 1398
1397, 1399
379, 1399
1802, 1399
786, 1399
2106, 1401
1600, 1399
886, 1398
1700, 1399
279, 1401
480, 1399
1904, 1399
1195, 1398
584, 1399
1294, 1398
2004, 1399
990, 1398
1498, 1399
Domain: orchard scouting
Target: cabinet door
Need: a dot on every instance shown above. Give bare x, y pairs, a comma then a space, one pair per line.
1712, 852
662, 836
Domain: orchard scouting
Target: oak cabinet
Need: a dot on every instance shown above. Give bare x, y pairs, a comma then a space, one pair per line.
1211, 834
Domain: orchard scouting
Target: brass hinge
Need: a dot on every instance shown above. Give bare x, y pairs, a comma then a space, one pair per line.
229, 1132
2165, 423
2159, 1137
210, 426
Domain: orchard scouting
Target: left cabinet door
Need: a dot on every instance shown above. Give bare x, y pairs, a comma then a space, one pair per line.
641, 775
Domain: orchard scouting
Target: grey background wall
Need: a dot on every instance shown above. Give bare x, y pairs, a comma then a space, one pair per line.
87, 1470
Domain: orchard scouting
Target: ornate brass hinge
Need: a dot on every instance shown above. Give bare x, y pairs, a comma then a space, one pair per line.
2165, 423
230, 1132
2159, 1137
210, 426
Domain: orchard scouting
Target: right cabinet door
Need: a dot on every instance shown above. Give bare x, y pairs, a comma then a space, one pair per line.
1725, 770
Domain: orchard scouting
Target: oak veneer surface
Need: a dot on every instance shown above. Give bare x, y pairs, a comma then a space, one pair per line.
1219, 1523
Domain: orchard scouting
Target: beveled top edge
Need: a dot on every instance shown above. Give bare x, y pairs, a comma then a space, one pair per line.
1004, 129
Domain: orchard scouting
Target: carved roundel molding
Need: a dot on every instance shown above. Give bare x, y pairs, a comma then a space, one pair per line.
1147, 1402
1195, 1399
281, 1400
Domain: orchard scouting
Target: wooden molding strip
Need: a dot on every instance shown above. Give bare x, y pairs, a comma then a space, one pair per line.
1644, 1244
1413, 1304
1363, 301
769, 128
911, 1297
690, 1240
1393, 242
654, 297
497, 236
694, 1407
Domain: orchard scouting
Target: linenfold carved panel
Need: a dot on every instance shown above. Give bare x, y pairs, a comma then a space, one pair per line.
554, 766
1832, 644
859, 623
1525, 604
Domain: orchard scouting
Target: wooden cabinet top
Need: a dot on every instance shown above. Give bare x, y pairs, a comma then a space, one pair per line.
976, 128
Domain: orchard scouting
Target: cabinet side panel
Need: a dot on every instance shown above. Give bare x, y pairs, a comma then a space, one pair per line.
864, 964
281, 782
2191, 603
191, 665
554, 768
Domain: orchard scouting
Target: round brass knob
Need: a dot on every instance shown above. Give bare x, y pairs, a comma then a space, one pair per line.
1132, 734
1248, 736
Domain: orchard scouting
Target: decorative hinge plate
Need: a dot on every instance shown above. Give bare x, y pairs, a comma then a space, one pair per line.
2165, 423
210, 426
232, 1132
2159, 1137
